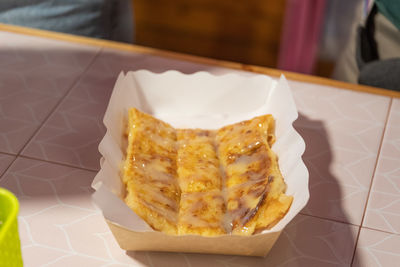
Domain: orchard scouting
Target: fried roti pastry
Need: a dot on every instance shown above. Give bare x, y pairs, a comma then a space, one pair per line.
255, 187
197, 163
192, 181
150, 172
202, 206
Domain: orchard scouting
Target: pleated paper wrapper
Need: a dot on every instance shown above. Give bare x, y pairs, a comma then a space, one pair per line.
199, 100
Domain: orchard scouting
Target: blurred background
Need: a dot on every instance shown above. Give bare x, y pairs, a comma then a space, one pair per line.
299, 35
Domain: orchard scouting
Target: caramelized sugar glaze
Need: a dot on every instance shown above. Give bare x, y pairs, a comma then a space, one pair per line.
191, 181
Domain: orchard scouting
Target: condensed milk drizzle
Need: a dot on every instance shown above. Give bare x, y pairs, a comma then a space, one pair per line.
240, 180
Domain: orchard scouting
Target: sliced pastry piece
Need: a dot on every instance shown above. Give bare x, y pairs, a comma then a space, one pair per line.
198, 167
149, 173
253, 181
202, 206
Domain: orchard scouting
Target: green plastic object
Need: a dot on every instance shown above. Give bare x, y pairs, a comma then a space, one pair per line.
10, 248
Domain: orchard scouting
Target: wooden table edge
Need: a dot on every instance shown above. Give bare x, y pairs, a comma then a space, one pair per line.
197, 59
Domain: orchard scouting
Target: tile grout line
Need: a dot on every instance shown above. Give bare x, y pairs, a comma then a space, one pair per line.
79, 78
372, 179
6, 169
355, 245
59, 163
377, 158
74, 83
381, 231
12, 161
328, 219
8, 154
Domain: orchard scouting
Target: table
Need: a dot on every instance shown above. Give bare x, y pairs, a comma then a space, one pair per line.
54, 89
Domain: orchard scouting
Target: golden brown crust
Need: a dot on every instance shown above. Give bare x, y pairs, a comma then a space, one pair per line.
202, 213
209, 183
253, 180
150, 171
197, 163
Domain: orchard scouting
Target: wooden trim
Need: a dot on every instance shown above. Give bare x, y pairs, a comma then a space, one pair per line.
196, 59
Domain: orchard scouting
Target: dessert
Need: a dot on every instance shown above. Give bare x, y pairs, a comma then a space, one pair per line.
255, 187
204, 182
152, 189
202, 205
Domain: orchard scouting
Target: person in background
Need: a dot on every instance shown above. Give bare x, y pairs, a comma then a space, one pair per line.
106, 19
372, 56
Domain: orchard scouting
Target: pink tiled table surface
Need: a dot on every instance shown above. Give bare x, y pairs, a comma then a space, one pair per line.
53, 95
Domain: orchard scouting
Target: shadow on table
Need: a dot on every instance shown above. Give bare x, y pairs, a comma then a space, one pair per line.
308, 240
326, 197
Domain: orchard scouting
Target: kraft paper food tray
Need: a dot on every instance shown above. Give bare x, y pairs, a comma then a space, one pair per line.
199, 100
